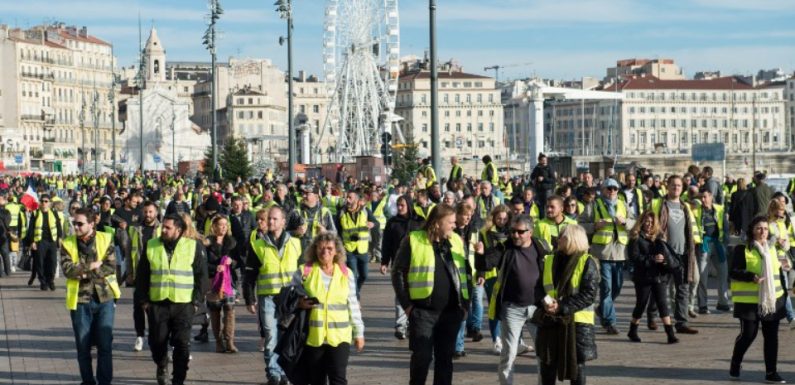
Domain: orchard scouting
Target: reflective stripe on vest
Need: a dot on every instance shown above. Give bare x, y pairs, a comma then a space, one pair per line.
748, 292
14, 209
330, 320
547, 229
102, 242
313, 225
172, 280
378, 213
52, 225
423, 265
276, 272
604, 235
586, 315
357, 227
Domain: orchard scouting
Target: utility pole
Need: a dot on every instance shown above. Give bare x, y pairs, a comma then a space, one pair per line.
753, 135
436, 158
285, 9
82, 118
141, 86
173, 139
209, 42
112, 99
96, 114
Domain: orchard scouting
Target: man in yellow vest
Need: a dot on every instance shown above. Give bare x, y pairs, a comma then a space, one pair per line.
170, 284
486, 201
428, 172
271, 263
456, 172
353, 225
88, 261
678, 229
377, 200
549, 228
609, 242
633, 197
313, 218
489, 172
139, 236
44, 236
5, 220
17, 228
711, 219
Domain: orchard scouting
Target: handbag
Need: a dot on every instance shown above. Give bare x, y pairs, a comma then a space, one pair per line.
25, 261
221, 287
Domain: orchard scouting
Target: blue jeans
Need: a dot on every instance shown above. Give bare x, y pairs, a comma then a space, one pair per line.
267, 318
609, 289
93, 325
358, 265
494, 324
475, 317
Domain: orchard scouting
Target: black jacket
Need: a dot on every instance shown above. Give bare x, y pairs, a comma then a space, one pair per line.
396, 229
215, 252
400, 282
143, 276
293, 329
646, 270
502, 257
242, 226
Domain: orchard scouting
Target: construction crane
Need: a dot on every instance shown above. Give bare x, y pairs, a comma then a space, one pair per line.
496, 68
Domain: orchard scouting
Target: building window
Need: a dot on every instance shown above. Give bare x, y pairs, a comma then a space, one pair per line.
425, 127
447, 127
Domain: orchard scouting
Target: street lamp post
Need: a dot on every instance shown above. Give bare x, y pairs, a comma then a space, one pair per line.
96, 114
209, 42
112, 99
173, 139
436, 156
82, 118
284, 7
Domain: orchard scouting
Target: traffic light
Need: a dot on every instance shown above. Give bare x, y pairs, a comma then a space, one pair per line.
386, 148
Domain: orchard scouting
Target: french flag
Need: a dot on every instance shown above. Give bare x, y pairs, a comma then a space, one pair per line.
30, 199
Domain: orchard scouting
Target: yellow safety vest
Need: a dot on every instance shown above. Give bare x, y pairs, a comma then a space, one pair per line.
484, 236
276, 271
171, 281
135, 233
656, 207
748, 292
330, 320
638, 197
719, 211
423, 265
495, 178
585, 316
546, 229
330, 202
780, 229
378, 212
356, 226
483, 210
102, 242
423, 213
604, 235
321, 213
14, 209
38, 226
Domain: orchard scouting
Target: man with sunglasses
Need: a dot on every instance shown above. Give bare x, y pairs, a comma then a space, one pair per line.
514, 297
88, 261
44, 235
610, 221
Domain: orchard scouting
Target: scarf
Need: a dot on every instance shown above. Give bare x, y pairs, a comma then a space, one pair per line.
767, 286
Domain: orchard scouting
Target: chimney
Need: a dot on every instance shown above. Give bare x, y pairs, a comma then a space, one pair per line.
84, 32
72, 30
301, 76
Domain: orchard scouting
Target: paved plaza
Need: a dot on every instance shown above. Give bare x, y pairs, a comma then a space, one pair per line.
37, 347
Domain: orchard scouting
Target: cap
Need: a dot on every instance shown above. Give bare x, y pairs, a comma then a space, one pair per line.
310, 188
610, 182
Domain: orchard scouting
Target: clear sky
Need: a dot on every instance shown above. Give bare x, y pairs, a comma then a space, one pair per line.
563, 39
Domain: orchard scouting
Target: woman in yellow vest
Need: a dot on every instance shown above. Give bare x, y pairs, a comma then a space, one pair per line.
430, 275
570, 288
335, 318
88, 261
493, 234
757, 287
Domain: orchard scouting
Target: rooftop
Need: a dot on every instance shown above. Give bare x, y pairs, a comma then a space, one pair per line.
653, 83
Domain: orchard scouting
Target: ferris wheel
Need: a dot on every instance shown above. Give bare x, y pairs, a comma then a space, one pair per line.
361, 60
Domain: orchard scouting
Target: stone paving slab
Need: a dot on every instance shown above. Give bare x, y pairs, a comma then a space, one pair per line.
37, 347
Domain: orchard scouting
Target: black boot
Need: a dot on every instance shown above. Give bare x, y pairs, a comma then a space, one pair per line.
669, 330
633, 332
202, 336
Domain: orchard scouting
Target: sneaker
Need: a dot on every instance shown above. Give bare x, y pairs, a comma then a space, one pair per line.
498, 347
261, 345
686, 330
703, 310
399, 334
611, 330
477, 336
692, 314
139, 344
723, 308
774, 378
523, 348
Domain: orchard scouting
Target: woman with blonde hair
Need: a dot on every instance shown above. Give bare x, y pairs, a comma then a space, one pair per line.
331, 299
566, 325
221, 260
653, 265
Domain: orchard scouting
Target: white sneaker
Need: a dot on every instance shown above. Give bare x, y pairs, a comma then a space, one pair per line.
139, 344
498, 347
523, 348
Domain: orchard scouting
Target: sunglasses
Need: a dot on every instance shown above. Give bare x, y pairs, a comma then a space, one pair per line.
519, 231
612, 188
78, 224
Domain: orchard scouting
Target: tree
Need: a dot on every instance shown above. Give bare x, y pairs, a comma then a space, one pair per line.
404, 163
234, 160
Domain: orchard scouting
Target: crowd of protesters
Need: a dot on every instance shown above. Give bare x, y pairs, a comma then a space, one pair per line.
539, 252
